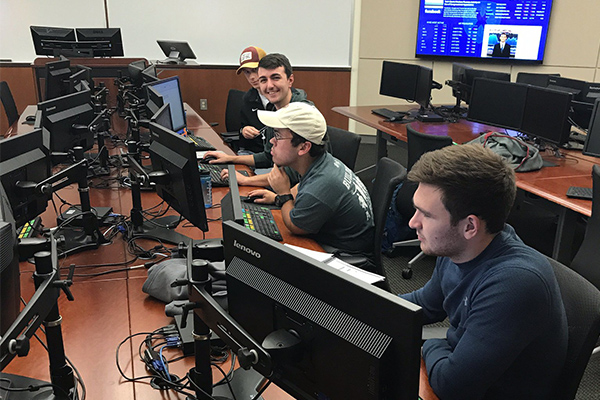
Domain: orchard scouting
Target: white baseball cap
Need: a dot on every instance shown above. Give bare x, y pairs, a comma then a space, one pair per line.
299, 117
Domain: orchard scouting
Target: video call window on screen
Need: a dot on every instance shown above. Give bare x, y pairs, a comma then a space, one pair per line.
499, 29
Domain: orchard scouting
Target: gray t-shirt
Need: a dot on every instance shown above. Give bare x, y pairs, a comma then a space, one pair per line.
334, 206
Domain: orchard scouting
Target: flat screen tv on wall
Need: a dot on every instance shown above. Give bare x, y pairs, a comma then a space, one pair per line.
514, 30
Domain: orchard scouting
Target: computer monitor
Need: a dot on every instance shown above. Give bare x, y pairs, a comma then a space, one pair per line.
459, 79
45, 39
23, 161
471, 74
66, 120
546, 115
592, 140
497, 103
163, 117
176, 51
170, 91
154, 101
81, 79
399, 80
176, 174
149, 74
104, 42
584, 95
10, 285
328, 335
135, 69
231, 203
57, 78
534, 79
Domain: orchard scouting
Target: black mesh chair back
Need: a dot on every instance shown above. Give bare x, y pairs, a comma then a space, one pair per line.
344, 145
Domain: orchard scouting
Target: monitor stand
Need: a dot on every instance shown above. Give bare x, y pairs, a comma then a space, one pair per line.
17, 381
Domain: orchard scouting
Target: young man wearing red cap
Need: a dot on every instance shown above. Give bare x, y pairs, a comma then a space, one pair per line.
330, 203
251, 140
275, 79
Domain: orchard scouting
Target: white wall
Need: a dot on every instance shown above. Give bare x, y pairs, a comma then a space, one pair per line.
309, 32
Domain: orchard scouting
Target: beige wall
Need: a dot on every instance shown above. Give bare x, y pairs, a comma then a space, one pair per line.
386, 30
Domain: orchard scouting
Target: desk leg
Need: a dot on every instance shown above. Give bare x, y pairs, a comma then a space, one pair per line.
565, 234
381, 143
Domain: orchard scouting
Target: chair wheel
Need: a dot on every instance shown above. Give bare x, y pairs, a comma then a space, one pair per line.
407, 273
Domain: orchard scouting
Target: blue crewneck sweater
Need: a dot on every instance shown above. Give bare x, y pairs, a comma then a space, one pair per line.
508, 334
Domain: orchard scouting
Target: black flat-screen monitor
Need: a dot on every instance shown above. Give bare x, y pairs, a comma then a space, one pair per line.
66, 120
81, 79
134, 70
347, 339
10, 285
459, 80
176, 51
490, 29
497, 103
535, 79
170, 91
105, 42
176, 174
546, 115
592, 140
57, 78
399, 80
231, 204
154, 101
23, 160
471, 74
46, 39
149, 74
584, 95
163, 117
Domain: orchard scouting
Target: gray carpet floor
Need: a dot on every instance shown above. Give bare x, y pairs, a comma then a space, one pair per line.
527, 218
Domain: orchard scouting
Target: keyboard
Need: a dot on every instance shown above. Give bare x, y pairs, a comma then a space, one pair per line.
29, 229
387, 113
201, 143
215, 173
260, 219
580, 192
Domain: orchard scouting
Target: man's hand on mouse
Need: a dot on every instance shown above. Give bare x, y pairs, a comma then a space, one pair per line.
218, 157
264, 196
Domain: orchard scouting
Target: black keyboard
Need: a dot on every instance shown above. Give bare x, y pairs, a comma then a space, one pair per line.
215, 173
580, 192
389, 114
201, 143
260, 219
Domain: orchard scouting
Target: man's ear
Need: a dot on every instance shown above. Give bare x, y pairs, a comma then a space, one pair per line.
304, 148
291, 80
472, 225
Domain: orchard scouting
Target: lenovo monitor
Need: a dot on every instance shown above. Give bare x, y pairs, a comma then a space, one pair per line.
176, 174
134, 70
492, 30
57, 78
24, 162
497, 103
328, 334
592, 140
154, 101
66, 120
10, 285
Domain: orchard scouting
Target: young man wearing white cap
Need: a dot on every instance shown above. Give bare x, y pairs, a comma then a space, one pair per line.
330, 204
275, 79
251, 140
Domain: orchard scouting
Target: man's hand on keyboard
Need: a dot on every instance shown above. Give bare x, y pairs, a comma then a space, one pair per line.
265, 196
241, 179
218, 157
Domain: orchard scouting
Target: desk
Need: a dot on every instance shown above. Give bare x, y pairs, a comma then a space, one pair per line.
549, 183
109, 308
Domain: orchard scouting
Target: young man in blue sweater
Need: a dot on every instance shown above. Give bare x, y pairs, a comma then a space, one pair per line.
508, 330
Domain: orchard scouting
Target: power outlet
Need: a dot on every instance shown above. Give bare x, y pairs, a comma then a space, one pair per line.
203, 104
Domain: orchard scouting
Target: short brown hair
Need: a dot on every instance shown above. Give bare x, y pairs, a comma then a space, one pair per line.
473, 180
275, 60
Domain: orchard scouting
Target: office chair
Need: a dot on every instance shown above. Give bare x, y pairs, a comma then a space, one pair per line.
586, 262
344, 145
233, 121
582, 306
8, 102
418, 144
388, 176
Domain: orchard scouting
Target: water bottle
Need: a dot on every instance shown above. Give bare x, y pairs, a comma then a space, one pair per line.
206, 189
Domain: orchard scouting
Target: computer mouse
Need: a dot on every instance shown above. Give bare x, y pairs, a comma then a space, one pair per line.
30, 118
250, 199
206, 160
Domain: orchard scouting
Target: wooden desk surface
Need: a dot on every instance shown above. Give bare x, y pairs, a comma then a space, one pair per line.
109, 308
551, 183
